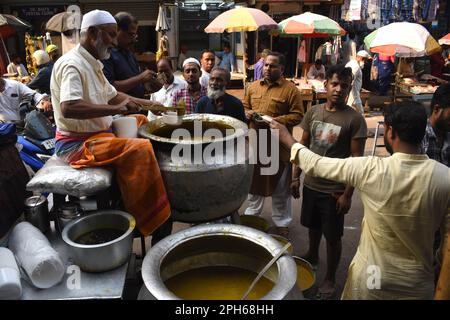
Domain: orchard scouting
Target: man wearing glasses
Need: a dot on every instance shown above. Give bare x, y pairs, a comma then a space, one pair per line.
122, 68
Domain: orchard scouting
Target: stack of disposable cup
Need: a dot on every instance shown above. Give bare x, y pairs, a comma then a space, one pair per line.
10, 287
41, 263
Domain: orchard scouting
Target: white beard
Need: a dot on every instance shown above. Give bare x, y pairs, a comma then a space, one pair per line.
102, 50
215, 94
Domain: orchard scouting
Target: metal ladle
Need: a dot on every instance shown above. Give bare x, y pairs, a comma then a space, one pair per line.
261, 273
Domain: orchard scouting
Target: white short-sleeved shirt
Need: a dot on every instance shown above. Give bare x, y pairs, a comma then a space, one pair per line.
11, 97
204, 79
165, 95
19, 69
78, 75
314, 72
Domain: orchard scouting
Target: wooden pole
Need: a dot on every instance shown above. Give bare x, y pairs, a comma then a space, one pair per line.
243, 40
6, 51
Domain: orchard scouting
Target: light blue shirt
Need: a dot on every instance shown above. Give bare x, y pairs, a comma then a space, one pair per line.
228, 60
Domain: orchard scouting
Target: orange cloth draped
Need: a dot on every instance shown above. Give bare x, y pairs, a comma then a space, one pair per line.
138, 175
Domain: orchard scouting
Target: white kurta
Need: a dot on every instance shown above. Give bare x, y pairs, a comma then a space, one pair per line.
354, 99
405, 199
78, 75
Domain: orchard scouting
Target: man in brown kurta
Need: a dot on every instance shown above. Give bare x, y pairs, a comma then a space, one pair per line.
278, 98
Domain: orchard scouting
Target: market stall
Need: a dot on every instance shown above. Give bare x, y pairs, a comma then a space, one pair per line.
9, 25
405, 40
312, 91
308, 25
419, 89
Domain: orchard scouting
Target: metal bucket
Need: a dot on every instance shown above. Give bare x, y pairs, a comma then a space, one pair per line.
218, 246
36, 212
306, 277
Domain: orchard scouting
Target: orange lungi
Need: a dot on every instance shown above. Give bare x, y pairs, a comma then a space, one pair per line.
138, 175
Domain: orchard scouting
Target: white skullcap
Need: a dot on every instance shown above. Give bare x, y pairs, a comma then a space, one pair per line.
363, 53
41, 57
191, 60
96, 18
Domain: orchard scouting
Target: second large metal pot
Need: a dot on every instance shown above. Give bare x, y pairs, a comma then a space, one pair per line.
217, 245
212, 186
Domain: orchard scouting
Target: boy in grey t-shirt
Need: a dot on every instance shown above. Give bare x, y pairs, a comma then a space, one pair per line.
332, 129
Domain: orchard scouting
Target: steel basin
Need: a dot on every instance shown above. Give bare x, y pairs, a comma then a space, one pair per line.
208, 187
104, 256
217, 245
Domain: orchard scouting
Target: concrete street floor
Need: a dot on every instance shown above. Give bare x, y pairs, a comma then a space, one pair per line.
299, 234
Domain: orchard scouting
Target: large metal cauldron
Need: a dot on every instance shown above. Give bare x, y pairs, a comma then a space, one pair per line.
217, 184
217, 245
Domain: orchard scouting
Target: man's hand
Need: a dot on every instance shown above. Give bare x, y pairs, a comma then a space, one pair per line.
148, 76
159, 105
343, 203
122, 107
45, 104
295, 188
283, 134
249, 114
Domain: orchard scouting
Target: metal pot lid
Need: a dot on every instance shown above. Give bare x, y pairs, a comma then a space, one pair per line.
35, 201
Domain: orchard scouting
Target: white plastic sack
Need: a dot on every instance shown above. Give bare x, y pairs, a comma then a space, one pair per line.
59, 177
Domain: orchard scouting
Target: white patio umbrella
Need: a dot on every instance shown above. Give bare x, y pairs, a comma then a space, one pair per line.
403, 39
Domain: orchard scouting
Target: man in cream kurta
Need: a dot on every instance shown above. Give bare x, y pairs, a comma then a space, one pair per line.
84, 103
405, 198
79, 76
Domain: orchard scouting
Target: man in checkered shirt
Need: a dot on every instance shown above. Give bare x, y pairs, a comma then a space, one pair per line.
194, 90
436, 144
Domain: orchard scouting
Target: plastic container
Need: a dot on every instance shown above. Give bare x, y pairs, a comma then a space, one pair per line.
10, 286
125, 127
171, 118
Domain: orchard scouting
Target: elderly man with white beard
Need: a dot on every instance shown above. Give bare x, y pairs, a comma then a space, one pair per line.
84, 103
218, 101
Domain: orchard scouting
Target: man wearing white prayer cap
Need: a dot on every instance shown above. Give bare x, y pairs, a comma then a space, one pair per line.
84, 103
194, 90
354, 98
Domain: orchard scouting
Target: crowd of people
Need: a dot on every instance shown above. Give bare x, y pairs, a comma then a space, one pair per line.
402, 219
